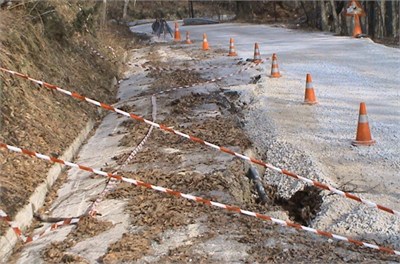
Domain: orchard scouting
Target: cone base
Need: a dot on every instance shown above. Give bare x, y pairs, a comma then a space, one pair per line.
256, 61
363, 143
232, 54
275, 75
188, 42
206, 48
310, 102
356, 33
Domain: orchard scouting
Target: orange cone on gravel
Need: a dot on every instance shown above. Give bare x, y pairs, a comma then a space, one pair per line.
309, 97
177, 35
188, 41
205, 42
232, 51
257, 55
363, 136
274, 67
357, 26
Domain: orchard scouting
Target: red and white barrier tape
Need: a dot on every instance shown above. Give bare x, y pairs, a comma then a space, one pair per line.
112, 51
92, 209
201, 141
112, 183
99, 54
141, 144
27, 239
230, 208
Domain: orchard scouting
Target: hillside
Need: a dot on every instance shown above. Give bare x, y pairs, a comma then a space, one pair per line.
45, 41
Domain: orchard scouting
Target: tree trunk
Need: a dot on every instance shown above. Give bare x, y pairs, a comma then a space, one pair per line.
125, 11
191, 10
339, 7
381, 21
346, 24
324, 17
371, 19
396, 18
305, 12
104, 15
389, 19
316, 13
335, 17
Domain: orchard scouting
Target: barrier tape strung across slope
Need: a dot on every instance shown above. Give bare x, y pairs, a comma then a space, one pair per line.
91, 211
97, 52
100, 55
112, 51
230, 208
112, 183
110, 186
201, 141
141, 144
27, 239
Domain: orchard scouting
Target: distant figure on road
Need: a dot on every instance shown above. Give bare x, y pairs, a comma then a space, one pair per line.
161, 26
155, 26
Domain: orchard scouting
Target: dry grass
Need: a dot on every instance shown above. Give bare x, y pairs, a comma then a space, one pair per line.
36, 118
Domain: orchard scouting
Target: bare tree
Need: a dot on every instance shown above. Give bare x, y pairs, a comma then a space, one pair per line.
335, 17
191, 10
389, 18
371, 18
125, 11
324, 17
104, 14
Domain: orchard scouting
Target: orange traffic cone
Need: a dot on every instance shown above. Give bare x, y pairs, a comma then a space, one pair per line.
274, 67
309, 95
363, 133
357, 26
232, 51
188, 41
177, 36
257, 55
205, 42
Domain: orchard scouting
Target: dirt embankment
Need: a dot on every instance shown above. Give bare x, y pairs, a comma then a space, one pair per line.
45, 40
